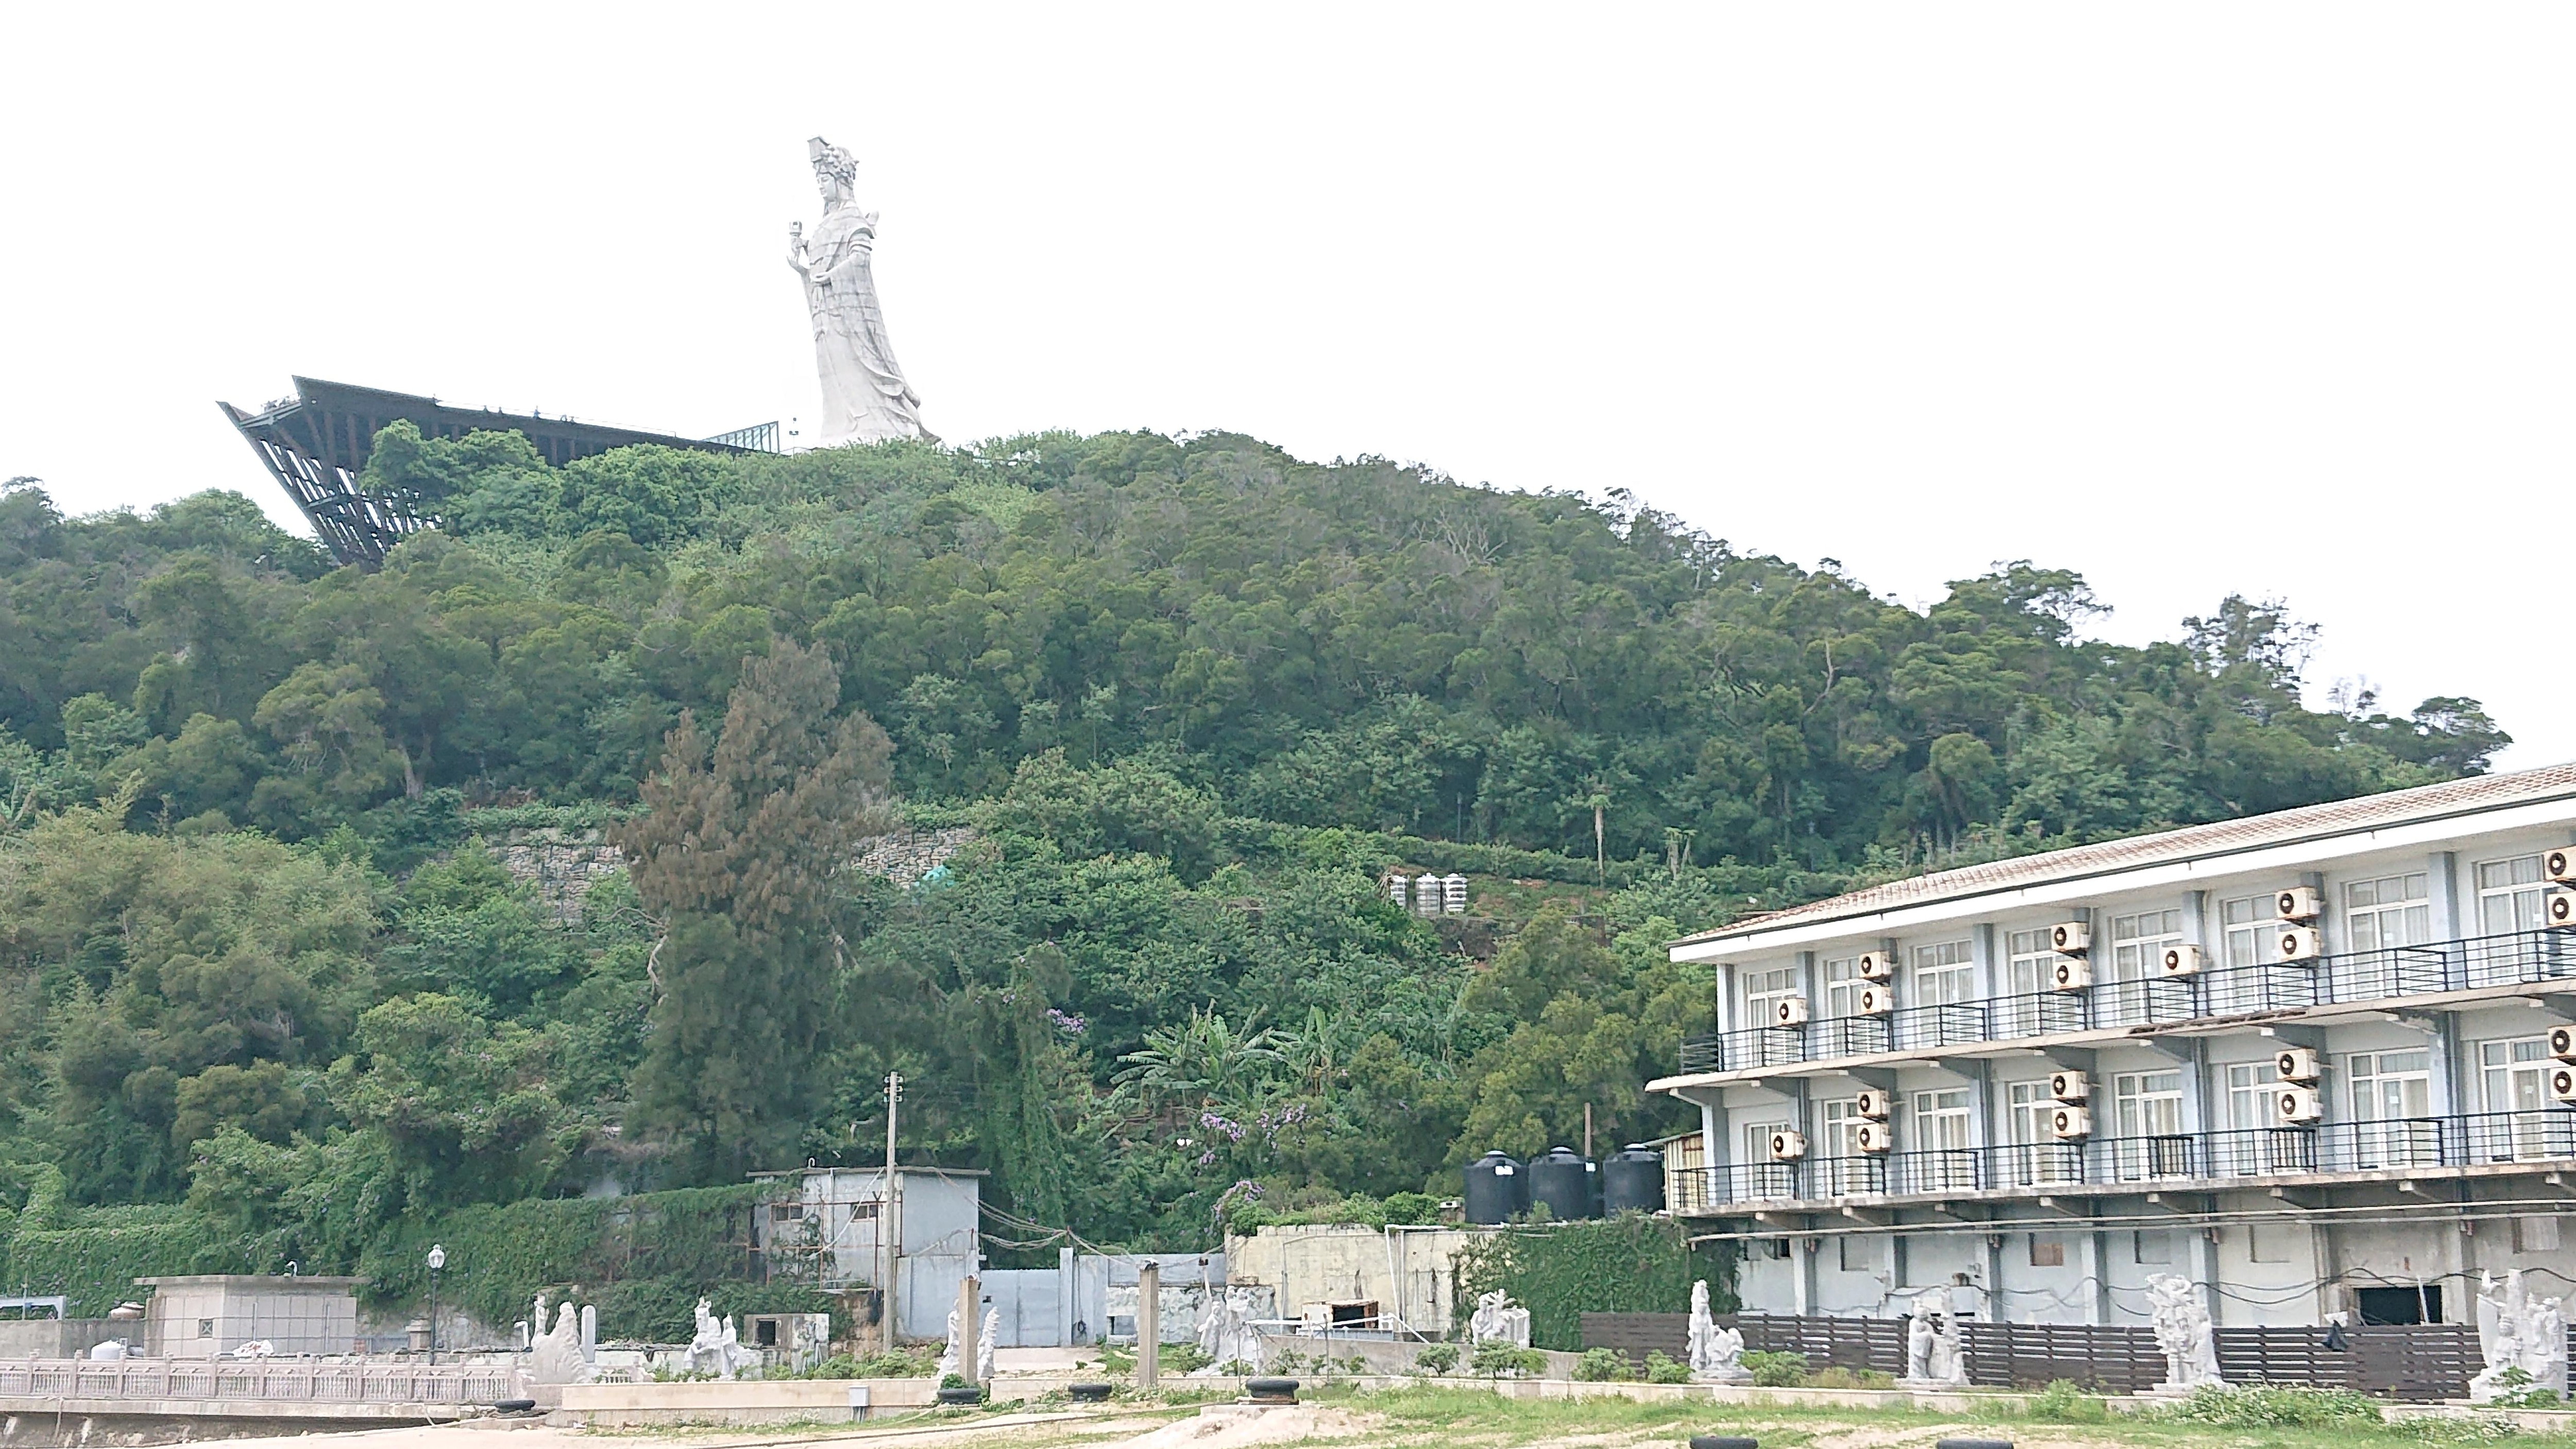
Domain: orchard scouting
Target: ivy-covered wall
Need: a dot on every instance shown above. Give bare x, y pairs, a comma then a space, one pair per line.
642, 1260
1560, 1271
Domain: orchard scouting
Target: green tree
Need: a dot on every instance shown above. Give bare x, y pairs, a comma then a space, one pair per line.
737, 860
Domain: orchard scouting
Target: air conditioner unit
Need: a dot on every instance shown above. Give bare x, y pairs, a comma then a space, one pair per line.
2069, 1085
2071, 1123
2560, 864
1788, 1146
2071, 975
2182, 961
2298, 903
2562, 1083
1789, 1011
2297, 1106
2073, 938
2562, 1043
1872, 1103
1873, 1137
1875, 1001
2297, 943
1877, 966
2558, 907
2297, 1064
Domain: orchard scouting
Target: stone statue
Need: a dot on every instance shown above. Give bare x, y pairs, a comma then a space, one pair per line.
865, 397
1716, 1354
1498, 1320
1227, 1334
1934, 1357
2184, 1332
984, 1342
717, 1349
948, 1357
554, 1357
2517, 1331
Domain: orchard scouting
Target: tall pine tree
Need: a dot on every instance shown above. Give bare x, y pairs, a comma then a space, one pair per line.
736, 860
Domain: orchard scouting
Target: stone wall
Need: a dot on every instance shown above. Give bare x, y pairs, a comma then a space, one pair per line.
564, 864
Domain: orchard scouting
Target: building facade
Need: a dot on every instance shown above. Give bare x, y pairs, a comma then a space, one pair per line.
2317, 1062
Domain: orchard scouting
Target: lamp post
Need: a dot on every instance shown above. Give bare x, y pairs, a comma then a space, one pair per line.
437, 1260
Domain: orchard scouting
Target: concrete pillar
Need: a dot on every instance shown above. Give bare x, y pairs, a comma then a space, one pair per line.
970, 1322
1149, 1325
1802, 1264
2097, 1310
1064, 1295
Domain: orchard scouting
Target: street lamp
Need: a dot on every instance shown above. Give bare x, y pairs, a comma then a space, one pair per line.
437, 1260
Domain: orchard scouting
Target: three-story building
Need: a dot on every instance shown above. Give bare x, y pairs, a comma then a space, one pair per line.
2317, 1061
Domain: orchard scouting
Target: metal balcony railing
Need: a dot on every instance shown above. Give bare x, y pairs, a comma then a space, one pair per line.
2360, 976
2542, 1134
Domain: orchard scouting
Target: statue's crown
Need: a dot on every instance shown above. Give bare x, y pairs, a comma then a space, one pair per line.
830, 160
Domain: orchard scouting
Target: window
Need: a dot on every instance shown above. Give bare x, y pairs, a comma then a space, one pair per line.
1764, 989
1941, 1120
2138, 945
2391, 1096
1943, 974
2149, 1116
2381, 918
2523, 1121
1762, 1176
1854, 1254
2047, 1252
2509, 895
2535, 1235
205, 1328
2031, 1007
2038, 1155
1842, 986
1847, 1168
2244, 924
2152, 1247
2249, 1095
2389, 912
1938, 1138
2252, 1141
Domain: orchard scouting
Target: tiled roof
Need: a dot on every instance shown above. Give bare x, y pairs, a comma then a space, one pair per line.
2281, 827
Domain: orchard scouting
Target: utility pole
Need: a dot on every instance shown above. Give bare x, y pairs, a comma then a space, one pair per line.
890, 1220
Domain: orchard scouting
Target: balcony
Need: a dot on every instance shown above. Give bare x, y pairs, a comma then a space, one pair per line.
2520, 958
2409, 1144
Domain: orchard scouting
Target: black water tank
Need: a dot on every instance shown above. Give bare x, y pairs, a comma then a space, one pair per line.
1566, 1181
1632, 1180
1497, 1190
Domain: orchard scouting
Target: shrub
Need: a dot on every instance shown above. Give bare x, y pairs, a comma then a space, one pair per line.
2266, 1408
1236, 1368
2063, 1403
1776, 1370
1661, 1368
1509, 1360
1183, 1358
1603, 1365
1437, 1358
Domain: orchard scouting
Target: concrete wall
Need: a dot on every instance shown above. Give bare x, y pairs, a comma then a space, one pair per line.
63, 1337
1406, 1272
210, 1317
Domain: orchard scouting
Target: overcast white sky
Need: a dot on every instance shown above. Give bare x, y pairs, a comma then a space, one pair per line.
2189, 298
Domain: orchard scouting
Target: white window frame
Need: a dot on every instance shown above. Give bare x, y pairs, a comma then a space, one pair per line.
2245, 926
1944, 974
2513, 1085
1765, 988
1767, 1179
2386, 1138
2506, 909
1842, 985
2147, 1112
2138, 942
2031, 1111
2029, 963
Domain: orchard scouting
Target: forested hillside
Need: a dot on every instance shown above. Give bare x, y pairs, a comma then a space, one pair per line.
1190, 697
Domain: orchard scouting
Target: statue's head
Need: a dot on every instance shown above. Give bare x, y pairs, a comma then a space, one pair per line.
835, 171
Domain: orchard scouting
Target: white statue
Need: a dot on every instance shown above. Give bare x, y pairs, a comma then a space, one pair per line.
1716, 1354
554, 1357
1934, 1358
984, 1342
2184, 1332
948, 1357
108, 1350
255, 1348
865, 397
716, 1349
1227, 1334
1498, 1320
2517, 1331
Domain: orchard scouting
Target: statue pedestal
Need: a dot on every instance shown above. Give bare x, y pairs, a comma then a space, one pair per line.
1736, 1375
